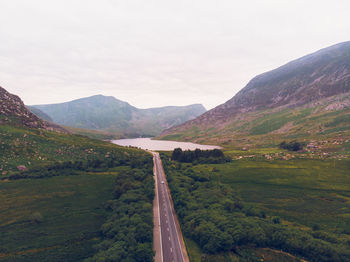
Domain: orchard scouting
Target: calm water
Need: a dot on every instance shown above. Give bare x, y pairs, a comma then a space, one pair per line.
147, 143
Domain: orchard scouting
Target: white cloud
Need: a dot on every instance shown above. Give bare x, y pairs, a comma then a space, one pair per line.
156, 52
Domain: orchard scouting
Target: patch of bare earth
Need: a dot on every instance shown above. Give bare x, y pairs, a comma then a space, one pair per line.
284, 129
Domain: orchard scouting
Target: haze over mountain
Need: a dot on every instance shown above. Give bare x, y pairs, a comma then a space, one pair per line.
110, 114
319, 82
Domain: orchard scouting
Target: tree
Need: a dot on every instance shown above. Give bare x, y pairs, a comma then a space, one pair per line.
177, 154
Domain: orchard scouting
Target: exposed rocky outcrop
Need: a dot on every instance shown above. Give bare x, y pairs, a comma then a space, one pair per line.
14, 112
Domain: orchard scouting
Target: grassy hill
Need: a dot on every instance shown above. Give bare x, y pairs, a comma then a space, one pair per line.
325, 130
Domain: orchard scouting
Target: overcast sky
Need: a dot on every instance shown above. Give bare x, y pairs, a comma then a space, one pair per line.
157, 52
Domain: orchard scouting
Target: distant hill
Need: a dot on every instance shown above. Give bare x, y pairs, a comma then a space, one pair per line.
40, 113
112, 115
308, 96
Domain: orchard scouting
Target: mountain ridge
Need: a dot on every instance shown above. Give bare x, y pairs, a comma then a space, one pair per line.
303, 82
108, 113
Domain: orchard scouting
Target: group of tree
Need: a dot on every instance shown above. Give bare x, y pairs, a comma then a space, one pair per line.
127, 235
199, 156
213, 215
292, 145
95, 163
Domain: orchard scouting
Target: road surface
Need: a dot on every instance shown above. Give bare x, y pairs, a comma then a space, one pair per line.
171, 246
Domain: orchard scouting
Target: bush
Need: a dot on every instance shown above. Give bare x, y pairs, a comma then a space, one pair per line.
276, 220
292, 146
36, 218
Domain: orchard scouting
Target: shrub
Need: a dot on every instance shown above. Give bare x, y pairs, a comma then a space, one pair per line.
292, 146
36, 218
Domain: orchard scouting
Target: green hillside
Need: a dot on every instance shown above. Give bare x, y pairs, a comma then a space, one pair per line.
326, 130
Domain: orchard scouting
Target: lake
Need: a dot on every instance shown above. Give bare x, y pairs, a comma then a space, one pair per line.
161, 145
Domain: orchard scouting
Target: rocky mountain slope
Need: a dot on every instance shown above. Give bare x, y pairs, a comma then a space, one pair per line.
310, 87
14, 112
110, 114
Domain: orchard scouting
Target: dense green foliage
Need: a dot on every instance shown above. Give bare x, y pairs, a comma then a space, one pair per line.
128, 232
214, 216
97, 164
292, 146
199, 156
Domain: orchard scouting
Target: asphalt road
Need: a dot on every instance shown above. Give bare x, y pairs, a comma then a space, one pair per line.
172, 245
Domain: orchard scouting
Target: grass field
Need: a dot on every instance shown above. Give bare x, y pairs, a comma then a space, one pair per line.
309, 196
53, 219
304, 192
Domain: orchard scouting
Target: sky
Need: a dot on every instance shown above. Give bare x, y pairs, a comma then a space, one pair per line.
157, 52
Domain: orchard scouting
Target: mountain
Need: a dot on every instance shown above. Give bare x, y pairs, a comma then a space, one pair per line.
14, 112
40, 113
27, 140
110, 114
312, 89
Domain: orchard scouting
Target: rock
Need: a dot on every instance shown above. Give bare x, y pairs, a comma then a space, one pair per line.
22, 168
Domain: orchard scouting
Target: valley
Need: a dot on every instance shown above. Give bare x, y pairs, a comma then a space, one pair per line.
261, 177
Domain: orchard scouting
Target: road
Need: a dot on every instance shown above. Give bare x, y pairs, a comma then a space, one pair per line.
172, 247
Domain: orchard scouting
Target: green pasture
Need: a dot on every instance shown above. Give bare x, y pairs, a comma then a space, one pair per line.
52, 219
302, 191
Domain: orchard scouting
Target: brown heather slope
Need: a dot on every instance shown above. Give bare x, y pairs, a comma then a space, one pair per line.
14, 112
303, 83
